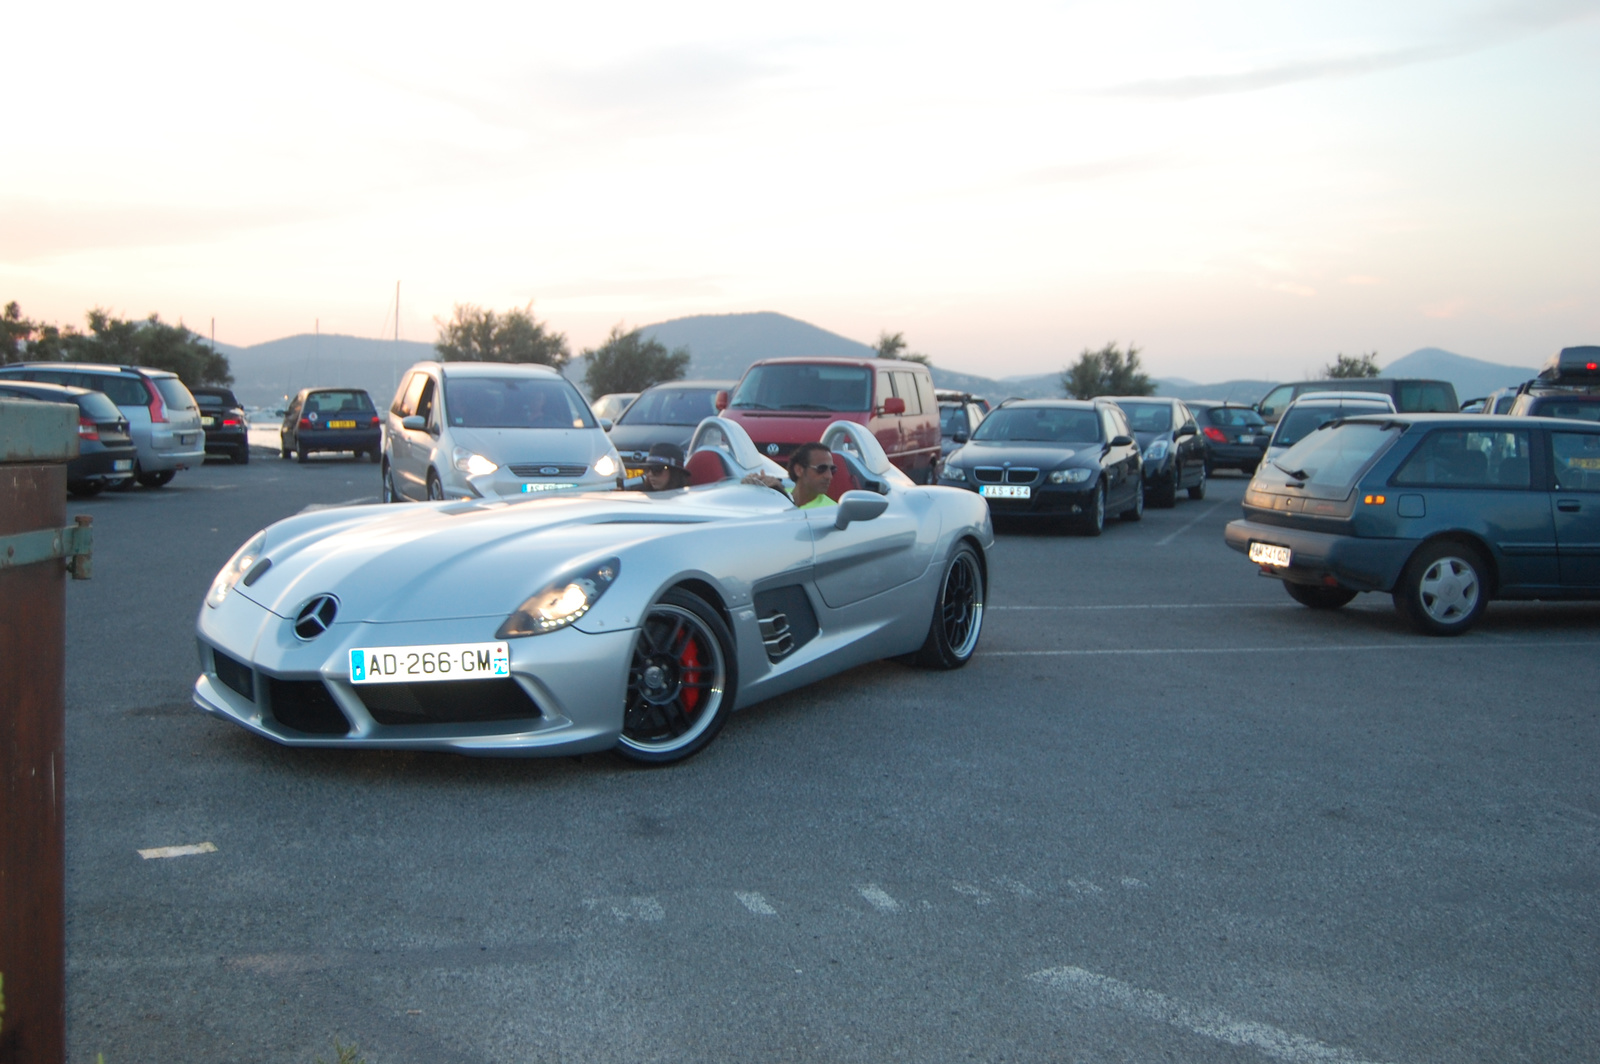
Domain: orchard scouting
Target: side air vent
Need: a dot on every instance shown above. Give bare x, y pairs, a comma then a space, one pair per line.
787, 620
235, 675
306, 706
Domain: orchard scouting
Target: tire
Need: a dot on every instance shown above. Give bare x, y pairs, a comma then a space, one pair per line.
435, 487
682, 681
374, 456
1094, 522
1165, 496
957, 614
242, 455
387, 492
156, 480
85, 489
127, 485
1444, 589
1137, 512
283, 448
301, 454
1198, 492
1319, 598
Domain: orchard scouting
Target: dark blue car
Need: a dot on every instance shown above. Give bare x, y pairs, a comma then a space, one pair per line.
1443, 511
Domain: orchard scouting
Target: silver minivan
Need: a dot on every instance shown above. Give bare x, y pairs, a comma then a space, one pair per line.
163, 418
468, 430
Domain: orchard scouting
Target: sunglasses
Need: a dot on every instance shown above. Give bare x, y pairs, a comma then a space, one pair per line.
824, 467
656, 470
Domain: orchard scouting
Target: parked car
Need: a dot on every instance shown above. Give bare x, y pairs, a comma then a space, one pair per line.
1053, 458
664, 413
784, 402
1235, 436
960, 415
163, 418
1444, 512
468, 430
611, 407
1313, 410
331, 419
1417, 396
227, 429
105, 450
1568, 386
1173, 449
952, 395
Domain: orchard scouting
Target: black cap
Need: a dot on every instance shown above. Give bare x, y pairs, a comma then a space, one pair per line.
667, 454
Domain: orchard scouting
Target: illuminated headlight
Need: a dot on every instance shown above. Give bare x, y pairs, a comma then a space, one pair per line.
607, 466
560, 602
473, 465
237, 566
955, 473
1156, 451
1071, 476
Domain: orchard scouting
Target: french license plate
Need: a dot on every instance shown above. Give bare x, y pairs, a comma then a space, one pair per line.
528, 489
1583, 463
1268, 554
341, 424
632, 472
122, 465
208, 421
421, 664
1006, 491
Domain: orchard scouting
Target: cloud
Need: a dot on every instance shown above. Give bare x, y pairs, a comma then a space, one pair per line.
32, 229
1444, 308
1289, 287
643, 287
1361, 279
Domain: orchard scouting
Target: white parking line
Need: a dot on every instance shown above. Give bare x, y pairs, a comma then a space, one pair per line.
1208, 1023
879, 898
1161, 606
1432, 644
1169, 537
977, 894
755, 903
177, 851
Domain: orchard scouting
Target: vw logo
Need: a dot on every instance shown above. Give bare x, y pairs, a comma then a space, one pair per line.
548, 470
772, 449
315, 617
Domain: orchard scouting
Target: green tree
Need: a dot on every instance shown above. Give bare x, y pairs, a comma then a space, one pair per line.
1344, 367
15, 332
476, 335
627, 362
893, 345
1108, 371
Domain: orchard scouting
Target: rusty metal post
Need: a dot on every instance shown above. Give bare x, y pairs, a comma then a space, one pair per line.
36, 441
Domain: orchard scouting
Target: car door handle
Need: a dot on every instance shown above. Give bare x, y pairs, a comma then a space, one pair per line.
1570, 506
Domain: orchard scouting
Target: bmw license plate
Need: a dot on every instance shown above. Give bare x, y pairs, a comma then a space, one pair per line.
122, 465
341, 424
440, 661
1006, 491
1268, 554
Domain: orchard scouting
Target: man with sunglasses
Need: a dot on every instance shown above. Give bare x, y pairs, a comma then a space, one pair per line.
811, 469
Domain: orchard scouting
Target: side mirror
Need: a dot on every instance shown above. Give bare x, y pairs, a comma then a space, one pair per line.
960, 437
894, 405
1187, 430
1122, 441
416, 422
722, 401
859, 506
606, 424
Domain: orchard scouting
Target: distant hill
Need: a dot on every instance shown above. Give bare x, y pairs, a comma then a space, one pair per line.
264, 373
1472, 377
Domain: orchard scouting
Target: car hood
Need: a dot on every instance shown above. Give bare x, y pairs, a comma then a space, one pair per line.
504, 446
1040, 455
434, 561
627, 438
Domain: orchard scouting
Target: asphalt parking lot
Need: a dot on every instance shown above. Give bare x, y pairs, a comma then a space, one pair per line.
1165, 815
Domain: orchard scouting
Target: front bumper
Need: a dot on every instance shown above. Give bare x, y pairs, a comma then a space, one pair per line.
1353, 562
1044, 499
574, 685
1241, 456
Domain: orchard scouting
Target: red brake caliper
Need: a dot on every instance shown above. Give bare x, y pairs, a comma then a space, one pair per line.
689, 672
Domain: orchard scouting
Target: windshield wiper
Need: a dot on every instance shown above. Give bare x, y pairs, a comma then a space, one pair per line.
752, 406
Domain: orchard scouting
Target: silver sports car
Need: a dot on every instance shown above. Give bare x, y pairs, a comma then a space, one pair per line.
583, 622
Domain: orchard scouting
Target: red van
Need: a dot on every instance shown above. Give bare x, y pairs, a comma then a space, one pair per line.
784, 402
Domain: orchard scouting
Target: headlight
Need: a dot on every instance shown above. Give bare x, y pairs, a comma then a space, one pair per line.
607, 466
1156, 451
560, 602
1071, 476
242, 560
473, 465
951, 472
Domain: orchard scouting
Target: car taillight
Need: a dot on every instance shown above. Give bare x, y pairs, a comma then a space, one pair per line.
88, 430
1216, 435
158, 409
305, 422
374, 420
230, 421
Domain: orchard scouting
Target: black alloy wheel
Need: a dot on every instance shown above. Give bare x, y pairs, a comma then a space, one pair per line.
1444, 588
1319, 598
957, 614
435, 487
682, 681
1164, 495
1136, 512
1198, 491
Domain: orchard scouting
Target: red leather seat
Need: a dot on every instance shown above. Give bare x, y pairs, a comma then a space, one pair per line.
843, 479
705, 467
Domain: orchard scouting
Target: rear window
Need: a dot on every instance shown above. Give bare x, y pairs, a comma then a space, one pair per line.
1426, 397
671, 406
99, 407
1302, 421
1045, 424
1573, 408
1148, 417
340, 402
1330, 461
173, 392
797, 386
209, 401
1234, 416
514, 403
952, 419
1469, 458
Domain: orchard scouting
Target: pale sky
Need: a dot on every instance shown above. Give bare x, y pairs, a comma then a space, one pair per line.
1241, 188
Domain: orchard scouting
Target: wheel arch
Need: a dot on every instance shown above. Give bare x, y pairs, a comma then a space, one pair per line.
705, 590
1466, 539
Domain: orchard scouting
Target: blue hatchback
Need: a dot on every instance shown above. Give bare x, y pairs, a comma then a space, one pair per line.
1442, 511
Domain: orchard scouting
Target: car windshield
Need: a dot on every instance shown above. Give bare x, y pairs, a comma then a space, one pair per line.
515, 403
1045, 424
803, 386
1148, 417
340, 402
1327, 463
952, 419
1302, 421
671, 406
